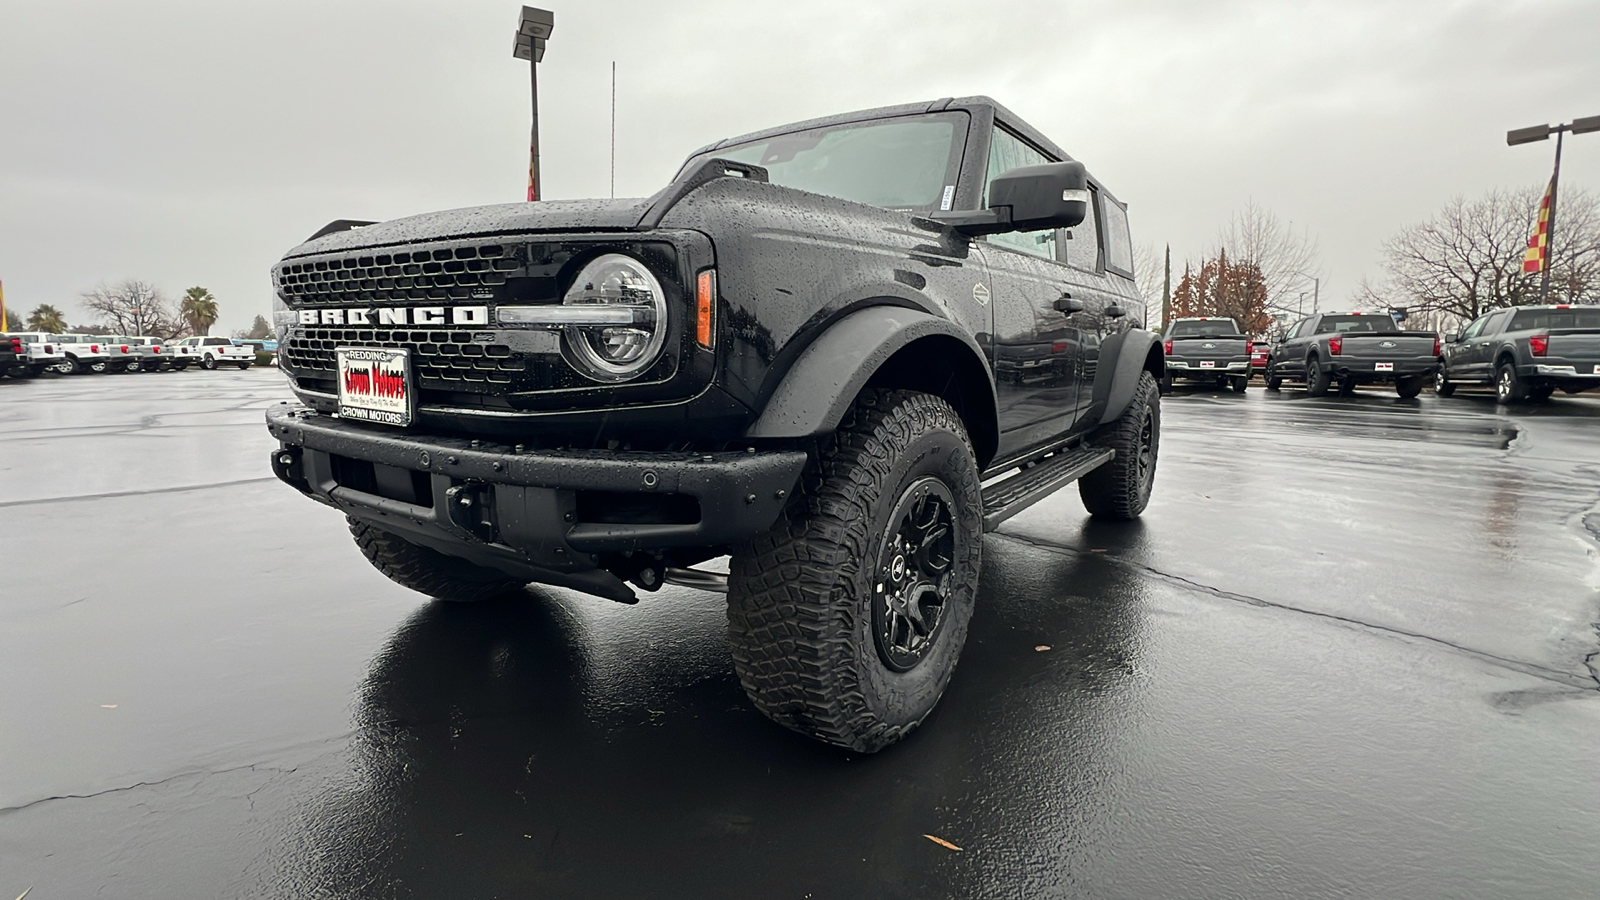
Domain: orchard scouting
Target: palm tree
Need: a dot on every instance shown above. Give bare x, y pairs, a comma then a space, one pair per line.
199, 309
47, 318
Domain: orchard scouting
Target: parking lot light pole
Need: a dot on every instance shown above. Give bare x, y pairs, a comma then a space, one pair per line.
1542, 133
533, 29
1316, 290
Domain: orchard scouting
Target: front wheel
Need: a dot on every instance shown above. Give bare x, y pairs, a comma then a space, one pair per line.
243, 366
209, 363
1241, 383
1442, 385
428, 571
1166, 384
1508, 386
99, 367
1273, 379
134, 365
67, 366
847, 617
1121, 488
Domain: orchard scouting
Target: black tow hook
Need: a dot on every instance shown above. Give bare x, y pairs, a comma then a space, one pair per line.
288, 465
467, 505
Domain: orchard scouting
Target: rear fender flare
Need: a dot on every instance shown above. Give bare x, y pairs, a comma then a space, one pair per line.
832, 371
1135, 351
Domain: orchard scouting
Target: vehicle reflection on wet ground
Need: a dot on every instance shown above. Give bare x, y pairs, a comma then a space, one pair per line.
1347, 652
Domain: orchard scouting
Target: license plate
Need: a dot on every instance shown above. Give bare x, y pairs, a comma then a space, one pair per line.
1208, 364
1597, 370
375, 384
1383, 367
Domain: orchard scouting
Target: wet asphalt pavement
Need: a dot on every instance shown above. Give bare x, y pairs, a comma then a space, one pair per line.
1348, 652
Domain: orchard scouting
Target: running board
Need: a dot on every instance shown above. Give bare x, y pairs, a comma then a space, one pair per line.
1004, 499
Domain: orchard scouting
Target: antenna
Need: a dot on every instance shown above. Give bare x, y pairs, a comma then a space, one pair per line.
613, 129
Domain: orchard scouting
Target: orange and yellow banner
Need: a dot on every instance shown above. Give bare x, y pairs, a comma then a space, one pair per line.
1533, 261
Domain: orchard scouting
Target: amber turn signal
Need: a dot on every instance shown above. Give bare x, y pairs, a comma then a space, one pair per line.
705, 296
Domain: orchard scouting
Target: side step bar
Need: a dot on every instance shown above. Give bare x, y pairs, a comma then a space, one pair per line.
1004, 499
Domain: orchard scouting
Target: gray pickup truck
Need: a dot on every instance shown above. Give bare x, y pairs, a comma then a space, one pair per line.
1211, 350
1526, 353
1353, 348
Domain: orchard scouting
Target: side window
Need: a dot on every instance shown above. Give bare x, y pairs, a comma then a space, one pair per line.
1081, 245
1474, 329
1497, 322
1007, 152
1119, 241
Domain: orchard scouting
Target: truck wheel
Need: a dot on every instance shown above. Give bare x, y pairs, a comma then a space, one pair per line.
209, 363
847, 618
1241, 383
68, 366
1508, 387
1442, 385
1409, 387
1166, 384
98, 367
427, 571
134, 365
1317, 381
1274, 381
1541, 393
1120, 489
243, 366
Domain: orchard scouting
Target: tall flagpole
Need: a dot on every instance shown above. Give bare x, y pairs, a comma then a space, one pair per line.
1550, 228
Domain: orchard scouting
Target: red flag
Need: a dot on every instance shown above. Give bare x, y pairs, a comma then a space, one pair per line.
1533, 261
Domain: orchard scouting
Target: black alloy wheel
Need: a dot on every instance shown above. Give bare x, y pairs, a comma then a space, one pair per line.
914, 568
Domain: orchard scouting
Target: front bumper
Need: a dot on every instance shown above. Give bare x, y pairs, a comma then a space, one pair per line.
544, 515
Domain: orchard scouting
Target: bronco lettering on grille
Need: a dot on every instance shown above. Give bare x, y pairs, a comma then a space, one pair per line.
421, 315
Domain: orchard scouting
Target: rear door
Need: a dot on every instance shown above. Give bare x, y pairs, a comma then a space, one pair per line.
1478, 349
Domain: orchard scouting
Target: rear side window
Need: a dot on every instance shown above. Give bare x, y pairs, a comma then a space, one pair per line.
1119, 241
1535, 319
1204, 328
217, 342
1081, 247
1346, 324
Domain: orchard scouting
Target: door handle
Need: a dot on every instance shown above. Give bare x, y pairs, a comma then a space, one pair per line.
1066, 304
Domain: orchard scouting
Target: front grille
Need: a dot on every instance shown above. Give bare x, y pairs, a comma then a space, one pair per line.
442, 359
434, 272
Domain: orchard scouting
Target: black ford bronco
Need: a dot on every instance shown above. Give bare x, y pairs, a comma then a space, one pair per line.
838, 351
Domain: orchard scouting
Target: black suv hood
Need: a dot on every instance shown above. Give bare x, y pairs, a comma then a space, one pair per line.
503, 218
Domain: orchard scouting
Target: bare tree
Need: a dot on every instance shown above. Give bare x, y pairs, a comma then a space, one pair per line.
135, 308
1467, 258
1286, 259
1147, 276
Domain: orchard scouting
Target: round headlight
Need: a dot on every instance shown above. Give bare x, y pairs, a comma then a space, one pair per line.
619, 351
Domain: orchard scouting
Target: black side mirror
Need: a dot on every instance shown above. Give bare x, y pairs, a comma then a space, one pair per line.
1068, 305
1030, 198
1452, 337
1115, 312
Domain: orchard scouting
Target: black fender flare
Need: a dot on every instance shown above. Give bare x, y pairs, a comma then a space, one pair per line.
1130, 351
828, 374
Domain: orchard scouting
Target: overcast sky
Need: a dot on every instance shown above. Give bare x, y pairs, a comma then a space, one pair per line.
194, 142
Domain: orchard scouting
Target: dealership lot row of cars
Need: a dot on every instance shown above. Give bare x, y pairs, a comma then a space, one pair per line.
1525, 353
30, 354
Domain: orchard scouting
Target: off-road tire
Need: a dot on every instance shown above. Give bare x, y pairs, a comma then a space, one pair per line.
209, 363
1442, 385
1120, 489
1317, 381
1409, 387
427, 571
1508, 385
802, 597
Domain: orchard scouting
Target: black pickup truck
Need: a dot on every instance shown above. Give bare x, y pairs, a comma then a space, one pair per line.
1527, 353
1352, 349
12, 355
789, 355
1212, 350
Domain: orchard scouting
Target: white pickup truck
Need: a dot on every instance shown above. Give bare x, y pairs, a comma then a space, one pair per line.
40, 353
84, 353
210, 352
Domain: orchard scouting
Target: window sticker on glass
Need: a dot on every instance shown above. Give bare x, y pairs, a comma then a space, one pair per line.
949, 196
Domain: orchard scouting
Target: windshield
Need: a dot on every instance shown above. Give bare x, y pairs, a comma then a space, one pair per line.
903, 163
1528, 319
1205, 328
1345, 324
